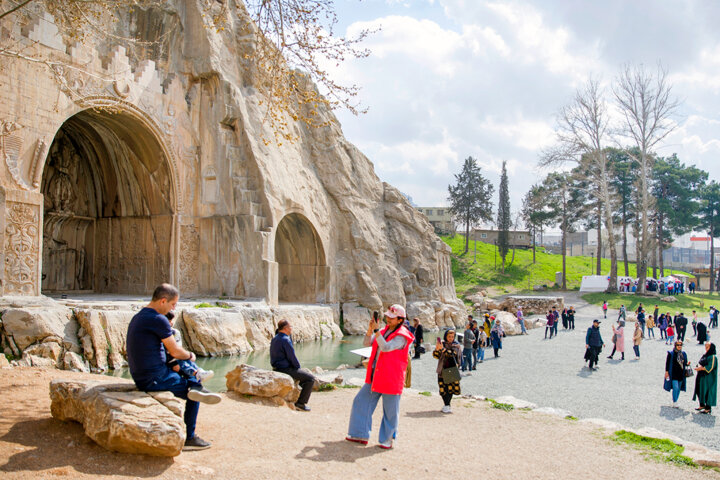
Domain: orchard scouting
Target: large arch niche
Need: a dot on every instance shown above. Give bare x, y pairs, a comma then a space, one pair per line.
108, 207
302, 269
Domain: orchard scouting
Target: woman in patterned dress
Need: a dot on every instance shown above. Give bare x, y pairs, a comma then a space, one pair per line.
448, 354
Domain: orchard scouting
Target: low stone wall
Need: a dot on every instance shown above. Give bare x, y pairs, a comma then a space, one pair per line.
119, 417
92, 338
529, 304
432, 315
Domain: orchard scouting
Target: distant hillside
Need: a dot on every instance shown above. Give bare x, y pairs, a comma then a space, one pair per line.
522, 274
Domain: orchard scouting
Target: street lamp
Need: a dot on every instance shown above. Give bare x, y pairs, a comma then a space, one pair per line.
592, 263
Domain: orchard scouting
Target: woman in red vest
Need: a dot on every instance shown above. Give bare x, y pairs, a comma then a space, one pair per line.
385, 378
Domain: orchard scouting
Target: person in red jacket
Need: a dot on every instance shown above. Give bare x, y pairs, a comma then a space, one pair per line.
385, 378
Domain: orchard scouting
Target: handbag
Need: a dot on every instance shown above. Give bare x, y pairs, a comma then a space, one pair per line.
450, 374
689, 371
614, 339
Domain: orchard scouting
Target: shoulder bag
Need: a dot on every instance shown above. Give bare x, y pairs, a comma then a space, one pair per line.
451, 374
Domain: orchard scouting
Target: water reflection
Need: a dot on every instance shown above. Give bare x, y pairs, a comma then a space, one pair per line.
327, 354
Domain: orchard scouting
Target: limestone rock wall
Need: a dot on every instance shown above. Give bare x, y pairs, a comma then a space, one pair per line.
188, 184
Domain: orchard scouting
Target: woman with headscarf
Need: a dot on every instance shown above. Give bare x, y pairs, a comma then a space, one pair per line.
618, 340
675, 364
706, 380
447, 353
701, 333
496, 335
637, 340
385, 378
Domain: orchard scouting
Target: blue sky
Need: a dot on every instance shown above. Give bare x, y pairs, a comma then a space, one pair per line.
448, 79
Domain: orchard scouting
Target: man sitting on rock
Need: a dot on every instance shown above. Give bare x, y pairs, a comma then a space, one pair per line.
149, 336
283, 360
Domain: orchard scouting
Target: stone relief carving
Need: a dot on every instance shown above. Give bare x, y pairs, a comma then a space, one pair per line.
21, 248
38, 159
10, 145
189, 257
61, 191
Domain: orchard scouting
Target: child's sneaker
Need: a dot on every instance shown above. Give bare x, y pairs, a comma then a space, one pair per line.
203, 375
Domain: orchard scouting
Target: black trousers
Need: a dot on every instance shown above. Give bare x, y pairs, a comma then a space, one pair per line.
305, 380
681, 333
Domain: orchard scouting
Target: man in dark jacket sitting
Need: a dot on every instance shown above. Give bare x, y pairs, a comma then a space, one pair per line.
283, 359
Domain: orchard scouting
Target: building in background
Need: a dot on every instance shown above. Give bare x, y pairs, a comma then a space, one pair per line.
518, 238
440, 218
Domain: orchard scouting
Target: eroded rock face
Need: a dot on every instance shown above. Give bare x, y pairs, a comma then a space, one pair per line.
27, 326
119, 417
274, 387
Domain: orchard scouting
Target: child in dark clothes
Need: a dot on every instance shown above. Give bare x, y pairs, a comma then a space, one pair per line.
185, 367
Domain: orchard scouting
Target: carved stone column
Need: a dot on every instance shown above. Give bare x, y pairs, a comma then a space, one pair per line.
21, 225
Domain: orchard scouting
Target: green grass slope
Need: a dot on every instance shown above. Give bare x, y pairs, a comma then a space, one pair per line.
471, 270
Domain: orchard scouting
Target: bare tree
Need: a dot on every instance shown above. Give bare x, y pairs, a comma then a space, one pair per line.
582, 131
646, 103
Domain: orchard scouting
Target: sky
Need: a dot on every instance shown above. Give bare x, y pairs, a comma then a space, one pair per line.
448, 79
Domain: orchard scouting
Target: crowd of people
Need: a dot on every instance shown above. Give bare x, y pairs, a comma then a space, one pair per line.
157, 360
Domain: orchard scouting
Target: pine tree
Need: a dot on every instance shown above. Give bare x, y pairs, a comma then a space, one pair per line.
503, 217
470, 197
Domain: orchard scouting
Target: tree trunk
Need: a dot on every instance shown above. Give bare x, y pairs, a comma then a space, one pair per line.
644, 208
564, 253
609, 227
533, 234
598, 266
659, 237
467, 235
712, 255
625, 259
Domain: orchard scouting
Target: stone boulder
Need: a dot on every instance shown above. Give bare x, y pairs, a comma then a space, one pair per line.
268, 387
355, 318
509, 322
102, 336
423, 311
4, 363
23, 327
538, 305
119, 417
48, 354
215, 331
668, 299
74, 362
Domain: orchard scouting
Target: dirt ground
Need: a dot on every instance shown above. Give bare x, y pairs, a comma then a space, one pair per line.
252, 441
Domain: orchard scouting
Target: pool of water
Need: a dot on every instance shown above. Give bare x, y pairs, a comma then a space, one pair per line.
327, 354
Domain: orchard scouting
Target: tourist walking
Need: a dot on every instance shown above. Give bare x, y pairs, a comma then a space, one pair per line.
447, 353
656, 312
468, 340
618, 340
385, 378
670, 335
149, 336
621, 313
706, 381
496, 335
557, 320
550, 317
487, 326
564, 317
681, 326
283, 360
651, 326
702, 335
662, 325
713, 317
476, 343
637, 340
694, 322
641, 320
593, 345
604, 308
571, 318
419, 338
675, 364
482, 344
521, 320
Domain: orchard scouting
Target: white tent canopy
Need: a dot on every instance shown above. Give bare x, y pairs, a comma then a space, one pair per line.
594, 283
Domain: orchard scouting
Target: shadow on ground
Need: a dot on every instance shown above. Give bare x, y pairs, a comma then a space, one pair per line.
64, 447
338, 451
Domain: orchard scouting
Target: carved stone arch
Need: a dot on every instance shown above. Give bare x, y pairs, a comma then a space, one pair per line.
118, 106
303, 272
111, 202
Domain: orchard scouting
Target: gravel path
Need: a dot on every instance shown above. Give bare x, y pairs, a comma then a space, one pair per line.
551, 373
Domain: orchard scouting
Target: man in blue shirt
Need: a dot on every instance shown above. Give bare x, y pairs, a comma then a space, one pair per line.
283, 359
149, 337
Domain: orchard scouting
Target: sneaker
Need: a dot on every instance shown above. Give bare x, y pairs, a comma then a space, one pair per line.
197, 443
446, 409
302, 407
362, 441
675, 405
385, 445
203, 396
203, 375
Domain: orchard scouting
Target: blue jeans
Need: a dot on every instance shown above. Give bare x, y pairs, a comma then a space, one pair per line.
651, 332
676, 384
179, 386
480, 354
362, 410
467, 359
642, 328
522, 325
